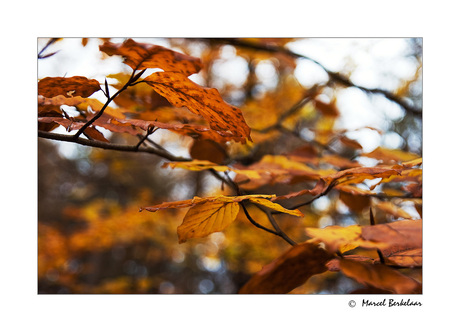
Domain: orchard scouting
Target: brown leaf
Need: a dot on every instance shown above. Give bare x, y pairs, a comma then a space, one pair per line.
194, 131
406, 258
206, 102
288, 271
208, 150
384, 236
67, 86
356, 203
380, 276
392, 209
348, 176
402, 232
350, 143
142, 56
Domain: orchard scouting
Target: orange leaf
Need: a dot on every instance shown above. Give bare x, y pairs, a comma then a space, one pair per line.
194, 131
380, 276
197, 200
206, 102
288, 271
384, 236
206, 218
141, 56
348, 176
391, 155
67, 86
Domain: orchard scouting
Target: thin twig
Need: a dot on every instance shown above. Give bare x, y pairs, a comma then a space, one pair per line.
132, 79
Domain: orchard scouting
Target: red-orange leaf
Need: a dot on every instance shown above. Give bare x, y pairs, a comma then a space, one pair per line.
380, 276
67, 86
206, 102
141, 56
288, 271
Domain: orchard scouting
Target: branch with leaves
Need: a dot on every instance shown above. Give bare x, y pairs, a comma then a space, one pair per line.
220, 124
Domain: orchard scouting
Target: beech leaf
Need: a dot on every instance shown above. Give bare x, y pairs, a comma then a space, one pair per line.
206, 102
380, 276
290, 270
206, 218
67, 86
383, 236
141, 56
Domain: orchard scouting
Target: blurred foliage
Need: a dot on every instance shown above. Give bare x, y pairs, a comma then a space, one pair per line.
93, 239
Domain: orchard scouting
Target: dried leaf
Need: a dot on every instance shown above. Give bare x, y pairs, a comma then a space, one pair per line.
288, 271
206, 102
194, 131
383, 236
141, 56
380, 276
206, 218
208, 150
390, 155
406, 258
67, 86
348, 176
390, 208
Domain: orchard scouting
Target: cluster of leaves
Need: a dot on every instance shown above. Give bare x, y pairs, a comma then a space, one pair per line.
258, 183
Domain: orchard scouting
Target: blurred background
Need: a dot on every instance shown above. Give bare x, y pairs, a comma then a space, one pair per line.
91, 237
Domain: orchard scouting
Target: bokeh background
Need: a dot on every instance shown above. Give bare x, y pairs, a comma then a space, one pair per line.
93, 240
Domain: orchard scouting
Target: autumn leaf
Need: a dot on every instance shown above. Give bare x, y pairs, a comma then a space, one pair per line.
141, 56
191, 130
201, 165
257, 199
206, 218
206, 102
275, 206
390, 155
288, 271
213, 214
392, 209
380, 276
67, 86
348, 176
383, 236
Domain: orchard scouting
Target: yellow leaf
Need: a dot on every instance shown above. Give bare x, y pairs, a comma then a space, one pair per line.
206, 218
275, 206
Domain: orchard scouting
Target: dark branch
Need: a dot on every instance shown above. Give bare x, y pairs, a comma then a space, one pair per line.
110, 146
335, 77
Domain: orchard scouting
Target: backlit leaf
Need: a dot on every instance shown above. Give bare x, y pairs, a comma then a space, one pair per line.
197, 200
67, 86
206, 102
206, 218
275, 206
288, 271
142, 56
380, 276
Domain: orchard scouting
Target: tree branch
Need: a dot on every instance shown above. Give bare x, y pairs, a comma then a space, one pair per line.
110, 146
335, 77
